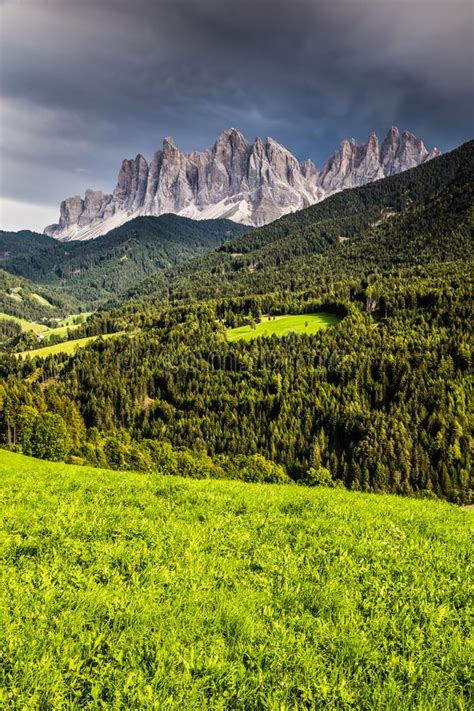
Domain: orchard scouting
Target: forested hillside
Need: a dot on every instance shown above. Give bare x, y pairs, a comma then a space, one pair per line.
25, 299
379, 401
397, 193
92, 271
422, 215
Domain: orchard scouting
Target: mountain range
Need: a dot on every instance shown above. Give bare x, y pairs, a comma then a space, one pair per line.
422, 216
249, 183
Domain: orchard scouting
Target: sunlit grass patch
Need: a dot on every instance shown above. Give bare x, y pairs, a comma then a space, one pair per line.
122, 590
283, 325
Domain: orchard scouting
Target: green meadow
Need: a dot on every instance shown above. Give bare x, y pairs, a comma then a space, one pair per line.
25, 325
122, 590
74, 319
69, 323
283, 325
65, 346
41, 300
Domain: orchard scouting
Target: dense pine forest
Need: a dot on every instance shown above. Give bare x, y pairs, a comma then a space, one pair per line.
379, 402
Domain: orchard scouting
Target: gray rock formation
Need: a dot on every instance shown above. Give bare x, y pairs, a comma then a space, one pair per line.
253, 183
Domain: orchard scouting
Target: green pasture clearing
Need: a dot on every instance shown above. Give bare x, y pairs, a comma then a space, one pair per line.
283, 325
74, 319
26, 325
71, 322
122, 590
41, 300
15, 296
60, 331
68, 324
66, 346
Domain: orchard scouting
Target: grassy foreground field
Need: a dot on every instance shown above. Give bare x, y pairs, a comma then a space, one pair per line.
283, 325
121, 590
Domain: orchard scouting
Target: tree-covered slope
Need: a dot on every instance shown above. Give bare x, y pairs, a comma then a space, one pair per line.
397, 193
379, 402
422, 215
23, 243
24, 299
94, 270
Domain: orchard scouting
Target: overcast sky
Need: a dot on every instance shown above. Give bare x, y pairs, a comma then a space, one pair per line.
87, 83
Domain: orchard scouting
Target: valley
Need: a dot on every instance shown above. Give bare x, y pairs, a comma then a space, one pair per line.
364, 377
88, 275
236, 364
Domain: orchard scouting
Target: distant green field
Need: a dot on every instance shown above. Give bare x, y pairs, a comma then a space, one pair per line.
41, 300
135, 591
26, 325
74, 319
67, 324
66, 346
14, 295
60, 331
283, 325
71, 322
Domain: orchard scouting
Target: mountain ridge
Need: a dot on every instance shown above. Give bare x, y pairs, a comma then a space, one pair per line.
250, 183
94, 269
343, 234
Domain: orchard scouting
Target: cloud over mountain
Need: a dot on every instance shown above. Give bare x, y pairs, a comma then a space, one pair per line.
83, 83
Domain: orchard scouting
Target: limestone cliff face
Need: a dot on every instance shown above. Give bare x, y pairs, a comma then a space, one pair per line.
354, 165
253, 183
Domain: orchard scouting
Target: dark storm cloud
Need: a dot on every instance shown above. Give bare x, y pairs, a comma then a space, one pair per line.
87, 83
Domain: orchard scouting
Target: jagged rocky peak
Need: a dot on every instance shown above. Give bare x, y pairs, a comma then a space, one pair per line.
308, 168
169, 146
232, 137
131, 185
390, 146
253, 183
357, 164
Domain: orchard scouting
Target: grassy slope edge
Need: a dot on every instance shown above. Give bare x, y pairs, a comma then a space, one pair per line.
142, 591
